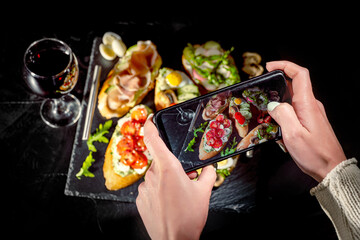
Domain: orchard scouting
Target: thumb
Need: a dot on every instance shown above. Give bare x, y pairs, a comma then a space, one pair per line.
156, 146
207, 177
285, 115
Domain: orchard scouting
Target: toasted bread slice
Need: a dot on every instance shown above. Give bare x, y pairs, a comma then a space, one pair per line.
133, 70
116, 177
203, 155
108, 113
114, 181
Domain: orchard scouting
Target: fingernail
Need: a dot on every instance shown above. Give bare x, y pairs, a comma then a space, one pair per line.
150, 116
272, 105
250, 154
215, 166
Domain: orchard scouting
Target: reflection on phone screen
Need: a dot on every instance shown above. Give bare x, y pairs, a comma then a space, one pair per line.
222, 124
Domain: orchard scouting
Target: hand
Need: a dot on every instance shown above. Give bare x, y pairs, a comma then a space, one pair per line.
170, 204
307, 133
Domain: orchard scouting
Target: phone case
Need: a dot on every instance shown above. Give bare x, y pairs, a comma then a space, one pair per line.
223, 123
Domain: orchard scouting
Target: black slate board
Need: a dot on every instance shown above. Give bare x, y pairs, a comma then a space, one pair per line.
93, 187
237, 193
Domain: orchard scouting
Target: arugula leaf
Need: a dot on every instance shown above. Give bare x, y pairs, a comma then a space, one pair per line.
189, 147
84, 171
193, 141
231, 150
99, 135
200, 129
223, 172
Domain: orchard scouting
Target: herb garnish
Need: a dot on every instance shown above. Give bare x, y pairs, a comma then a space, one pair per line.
99, 137
84, 171
223, 172
231, 150
193, 140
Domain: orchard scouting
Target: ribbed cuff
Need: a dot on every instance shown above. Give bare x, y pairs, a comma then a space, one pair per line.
333, 175
339, 197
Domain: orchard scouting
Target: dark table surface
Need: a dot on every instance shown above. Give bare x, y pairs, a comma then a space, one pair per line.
36, 157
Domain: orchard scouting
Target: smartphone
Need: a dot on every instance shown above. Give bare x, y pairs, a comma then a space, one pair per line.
223, 123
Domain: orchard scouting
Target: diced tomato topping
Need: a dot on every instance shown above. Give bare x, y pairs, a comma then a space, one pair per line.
140, 145
128, 157
131, 146
214, 124
210, 134
128, 128
219, 133
139, 115
126, 143
240, 118
267, 119
140, 162
262, 119
210, 141
220, 118
227, 123
217, 143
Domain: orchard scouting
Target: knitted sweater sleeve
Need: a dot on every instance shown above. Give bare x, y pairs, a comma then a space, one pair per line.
339, 197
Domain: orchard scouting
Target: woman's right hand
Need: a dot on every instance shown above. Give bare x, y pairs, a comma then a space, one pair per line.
307, 133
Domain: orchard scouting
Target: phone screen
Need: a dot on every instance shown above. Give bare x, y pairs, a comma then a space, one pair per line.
224, 123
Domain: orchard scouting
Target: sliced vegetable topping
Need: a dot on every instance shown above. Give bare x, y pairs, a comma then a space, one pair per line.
240, 118
218, 130
131, 146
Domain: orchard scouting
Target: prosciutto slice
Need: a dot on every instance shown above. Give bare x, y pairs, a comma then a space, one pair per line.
136, 76
216, 104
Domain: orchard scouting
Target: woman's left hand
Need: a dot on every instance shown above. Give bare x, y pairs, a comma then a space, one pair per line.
170, 204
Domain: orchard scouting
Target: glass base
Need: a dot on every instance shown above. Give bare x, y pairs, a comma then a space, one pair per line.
61, 112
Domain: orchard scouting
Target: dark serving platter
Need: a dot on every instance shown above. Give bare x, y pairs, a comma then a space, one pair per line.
237, 193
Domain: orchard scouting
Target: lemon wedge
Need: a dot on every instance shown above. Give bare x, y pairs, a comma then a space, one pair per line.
107, 52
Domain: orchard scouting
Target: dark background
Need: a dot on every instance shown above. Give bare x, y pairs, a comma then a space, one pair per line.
36, 157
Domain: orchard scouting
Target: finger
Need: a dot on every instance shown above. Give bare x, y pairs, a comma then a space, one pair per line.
300, 76
192, 175
157, 148
152, 140
303, 100
207, 177
284, 114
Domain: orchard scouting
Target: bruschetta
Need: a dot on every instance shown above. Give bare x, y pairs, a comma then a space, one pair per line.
172, 87
262, 133
210, 66
215, 137
126, 157
130, 80
216, 105
239, 111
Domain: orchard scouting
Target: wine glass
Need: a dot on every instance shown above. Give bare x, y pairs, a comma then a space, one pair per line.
51, 70
184, 117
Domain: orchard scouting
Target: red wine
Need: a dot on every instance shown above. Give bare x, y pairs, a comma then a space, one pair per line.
48, 62
50, 72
